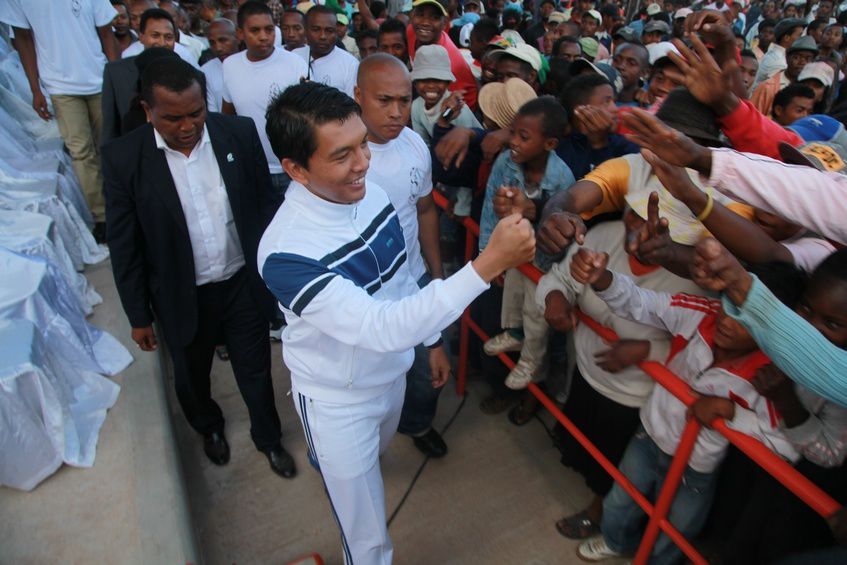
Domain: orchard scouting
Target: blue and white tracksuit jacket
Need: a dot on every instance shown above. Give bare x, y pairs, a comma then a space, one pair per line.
354, 312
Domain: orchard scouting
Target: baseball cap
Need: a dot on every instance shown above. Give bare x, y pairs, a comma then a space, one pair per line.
432, 62
594, 14
682, 13
654, 9
658, 51
557, 18
418, 3
825, 156
626, 33
524, 52
342, 19
589, 45
819, 127
656, 25
609, 72
817, 70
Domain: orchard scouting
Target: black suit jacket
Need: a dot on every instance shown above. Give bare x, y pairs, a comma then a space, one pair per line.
151, 253
120, 86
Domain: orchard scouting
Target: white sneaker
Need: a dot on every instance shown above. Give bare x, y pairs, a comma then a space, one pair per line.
502, 343
595, 549
521, 375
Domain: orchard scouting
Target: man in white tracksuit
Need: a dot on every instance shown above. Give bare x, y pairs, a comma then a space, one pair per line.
335, 257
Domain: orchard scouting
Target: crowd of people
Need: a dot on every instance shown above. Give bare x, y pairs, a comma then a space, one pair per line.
677, 171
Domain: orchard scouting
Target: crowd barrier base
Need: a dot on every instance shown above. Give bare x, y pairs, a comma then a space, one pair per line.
657, 512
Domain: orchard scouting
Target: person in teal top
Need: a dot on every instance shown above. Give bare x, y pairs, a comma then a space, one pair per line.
808, 344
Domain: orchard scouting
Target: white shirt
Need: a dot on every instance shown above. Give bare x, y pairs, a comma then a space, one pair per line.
211, 227
70, 56
183, 52
403, 168
773, 62
714, 6
250, 86
337, 69
194, 45
214, 71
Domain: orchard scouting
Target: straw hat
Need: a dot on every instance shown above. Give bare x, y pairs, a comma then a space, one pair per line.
500, 101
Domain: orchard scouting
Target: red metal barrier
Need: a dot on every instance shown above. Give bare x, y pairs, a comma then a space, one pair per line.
783, 472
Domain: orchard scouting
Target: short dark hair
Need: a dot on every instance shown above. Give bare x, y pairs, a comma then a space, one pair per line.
813, 25
526, 67
252, 8
579, 91
833, 267
294, 11
170, 73
565, 39
377, 8
765, 24
784, 97
392, 25
154, 14
119, 3
748, 53
293, 115
367, 33
319, 9
554, 120
485, 29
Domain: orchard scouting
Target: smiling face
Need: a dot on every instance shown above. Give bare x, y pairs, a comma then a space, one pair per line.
158, 33
336, 170
528, 142
731, 335
431, 90
179, 117
428, 23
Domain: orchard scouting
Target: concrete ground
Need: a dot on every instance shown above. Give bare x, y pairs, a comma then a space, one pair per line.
153, 497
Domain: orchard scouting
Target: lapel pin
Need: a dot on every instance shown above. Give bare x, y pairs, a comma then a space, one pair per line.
230, 158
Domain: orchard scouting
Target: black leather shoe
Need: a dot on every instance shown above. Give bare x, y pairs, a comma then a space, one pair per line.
282, 463
431, 444
216, 448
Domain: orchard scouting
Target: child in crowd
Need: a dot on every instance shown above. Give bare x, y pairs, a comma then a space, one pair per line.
531, 170
775, 523
431, 75
718, 358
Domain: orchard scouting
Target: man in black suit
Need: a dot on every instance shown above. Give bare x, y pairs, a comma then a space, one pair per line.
188, 196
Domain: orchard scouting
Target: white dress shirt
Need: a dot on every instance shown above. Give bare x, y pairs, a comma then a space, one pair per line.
211, 227
184, 53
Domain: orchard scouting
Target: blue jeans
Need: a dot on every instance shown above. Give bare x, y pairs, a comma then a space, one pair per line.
646, 466
421, 400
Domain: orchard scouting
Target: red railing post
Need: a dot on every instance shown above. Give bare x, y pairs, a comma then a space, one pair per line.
668, 492
462, 373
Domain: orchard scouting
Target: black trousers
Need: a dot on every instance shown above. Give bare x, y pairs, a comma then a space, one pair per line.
227, 313
606, 423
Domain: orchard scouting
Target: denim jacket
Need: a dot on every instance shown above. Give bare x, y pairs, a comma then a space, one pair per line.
557, 177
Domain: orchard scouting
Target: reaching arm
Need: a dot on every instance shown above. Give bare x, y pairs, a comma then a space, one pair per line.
367, 16
428, 235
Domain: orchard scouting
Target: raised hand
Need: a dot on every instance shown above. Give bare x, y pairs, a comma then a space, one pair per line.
512, 243
558, 312
652, 244
713, 28
511, 200
558, 230
622, 354
453, 147
595, 123
675, 179
714, 268
707, 81
587, 266
669, 144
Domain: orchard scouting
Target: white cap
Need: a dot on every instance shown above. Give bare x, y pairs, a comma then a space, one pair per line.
659, 50
654, 9
818, 70
682, 13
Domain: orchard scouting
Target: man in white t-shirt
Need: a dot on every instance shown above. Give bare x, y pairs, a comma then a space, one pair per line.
252, 78
223, 41
402, 166
327, 63
63, 47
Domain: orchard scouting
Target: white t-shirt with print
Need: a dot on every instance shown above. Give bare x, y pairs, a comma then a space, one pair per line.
251, 85
70, 56
403, 168
337, 69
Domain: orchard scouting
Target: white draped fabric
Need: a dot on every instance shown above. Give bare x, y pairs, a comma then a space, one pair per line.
50, 412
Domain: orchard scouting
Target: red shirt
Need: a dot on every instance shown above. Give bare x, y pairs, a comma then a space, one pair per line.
464, 77
750, 131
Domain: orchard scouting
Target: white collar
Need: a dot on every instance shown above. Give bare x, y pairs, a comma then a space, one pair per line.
162, 144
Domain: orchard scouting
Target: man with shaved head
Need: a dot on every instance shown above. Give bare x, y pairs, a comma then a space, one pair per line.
402, 166
223, 42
